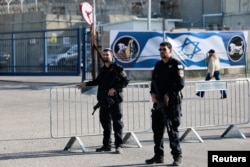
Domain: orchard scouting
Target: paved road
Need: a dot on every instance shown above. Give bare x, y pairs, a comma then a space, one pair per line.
25, 134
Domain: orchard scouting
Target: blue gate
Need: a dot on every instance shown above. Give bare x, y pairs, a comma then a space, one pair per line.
48, 52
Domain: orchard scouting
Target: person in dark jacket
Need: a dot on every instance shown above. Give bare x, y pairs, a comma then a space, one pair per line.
166, 85
110, 80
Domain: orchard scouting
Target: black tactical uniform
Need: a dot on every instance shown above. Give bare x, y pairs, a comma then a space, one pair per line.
110, 107
169, 80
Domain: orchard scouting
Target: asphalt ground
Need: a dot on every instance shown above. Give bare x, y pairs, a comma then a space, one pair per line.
25, 138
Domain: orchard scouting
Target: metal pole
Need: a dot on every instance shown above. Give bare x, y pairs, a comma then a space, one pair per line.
149, 15
21, 5
94, 16
8, 4
95, 70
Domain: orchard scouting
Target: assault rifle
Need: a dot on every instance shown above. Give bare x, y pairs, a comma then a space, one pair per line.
106, 101
162, 107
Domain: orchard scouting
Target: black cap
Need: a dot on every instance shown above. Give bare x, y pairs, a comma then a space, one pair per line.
211, 51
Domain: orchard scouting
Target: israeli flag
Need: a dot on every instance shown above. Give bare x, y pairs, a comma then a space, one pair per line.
191, 48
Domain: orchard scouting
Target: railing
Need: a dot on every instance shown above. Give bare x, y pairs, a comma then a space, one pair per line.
211, 110
71, 109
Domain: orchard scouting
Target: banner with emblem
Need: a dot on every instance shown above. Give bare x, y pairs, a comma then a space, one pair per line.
138, 50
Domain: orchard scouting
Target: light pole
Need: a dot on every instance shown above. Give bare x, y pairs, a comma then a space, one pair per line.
149, 15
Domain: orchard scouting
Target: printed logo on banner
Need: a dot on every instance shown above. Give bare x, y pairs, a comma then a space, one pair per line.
236, 48
126, 49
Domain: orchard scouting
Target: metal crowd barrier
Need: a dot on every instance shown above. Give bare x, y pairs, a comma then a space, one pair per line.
71, 112
213, 111
71, 109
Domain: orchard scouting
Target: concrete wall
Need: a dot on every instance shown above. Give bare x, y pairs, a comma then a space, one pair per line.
38, 21
64, 21
137, 24
22, 22
237, 14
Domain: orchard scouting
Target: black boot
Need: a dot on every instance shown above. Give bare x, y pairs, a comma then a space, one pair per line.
103, 149
177, 161
153, 160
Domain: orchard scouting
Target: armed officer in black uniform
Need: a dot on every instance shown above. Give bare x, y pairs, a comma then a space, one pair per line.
111, 80
167, 82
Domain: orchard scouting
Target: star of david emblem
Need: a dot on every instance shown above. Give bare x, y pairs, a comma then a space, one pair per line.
189, 48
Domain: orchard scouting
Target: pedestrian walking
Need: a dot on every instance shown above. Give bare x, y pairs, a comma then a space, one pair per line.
213, 70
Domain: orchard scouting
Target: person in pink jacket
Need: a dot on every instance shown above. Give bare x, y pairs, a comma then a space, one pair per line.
213, 71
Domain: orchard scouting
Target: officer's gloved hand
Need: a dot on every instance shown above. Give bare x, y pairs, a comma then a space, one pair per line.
155, 105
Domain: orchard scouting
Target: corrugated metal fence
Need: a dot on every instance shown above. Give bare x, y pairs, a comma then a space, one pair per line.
71, 109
